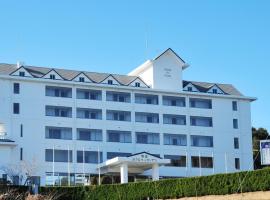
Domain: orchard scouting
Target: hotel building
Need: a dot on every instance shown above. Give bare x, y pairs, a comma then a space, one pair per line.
76, 124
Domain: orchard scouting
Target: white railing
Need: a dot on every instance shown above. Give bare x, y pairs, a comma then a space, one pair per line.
3, 135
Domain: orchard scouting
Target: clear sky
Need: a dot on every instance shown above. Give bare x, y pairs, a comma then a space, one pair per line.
223, 41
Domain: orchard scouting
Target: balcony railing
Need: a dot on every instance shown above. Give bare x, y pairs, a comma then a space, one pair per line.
3, 136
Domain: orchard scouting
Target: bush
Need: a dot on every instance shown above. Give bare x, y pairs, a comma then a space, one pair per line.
220, 184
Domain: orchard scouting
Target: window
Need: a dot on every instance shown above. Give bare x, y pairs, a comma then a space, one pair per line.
89, 134
174, 119
201, 162
119, 136
110, 82
118, 96
87, 113
89, 157
236, 143
16, 108
147, 117
237, 163
21, 73
201, 121
62, 133
146, 99
81, 79
21, 153
234, 105
175, 139
235, 123
176, 161
189, 89
58, 155
200, 103
89, 94
137, 84
147, 138
111, 155
118, 115
16, 88
174, 101
58, 111
53, 91
215, 91
21, 130
201, 141
52, 76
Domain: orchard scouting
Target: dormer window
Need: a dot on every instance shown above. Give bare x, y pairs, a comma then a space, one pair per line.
137, 84
215, 91
189, 89
21, 74
81, 79
52, 76
110, 82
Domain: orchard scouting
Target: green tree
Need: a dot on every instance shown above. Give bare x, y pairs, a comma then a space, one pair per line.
257, 135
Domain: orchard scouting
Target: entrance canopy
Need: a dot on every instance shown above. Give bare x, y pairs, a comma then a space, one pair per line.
134, 164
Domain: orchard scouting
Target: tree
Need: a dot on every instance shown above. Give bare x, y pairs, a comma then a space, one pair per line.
257, 135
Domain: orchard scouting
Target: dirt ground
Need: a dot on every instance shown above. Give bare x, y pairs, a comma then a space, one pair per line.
244, 196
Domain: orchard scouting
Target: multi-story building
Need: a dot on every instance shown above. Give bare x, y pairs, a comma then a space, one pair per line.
65, 122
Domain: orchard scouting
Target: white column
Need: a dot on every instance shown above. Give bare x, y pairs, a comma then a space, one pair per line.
155, 172
124, 173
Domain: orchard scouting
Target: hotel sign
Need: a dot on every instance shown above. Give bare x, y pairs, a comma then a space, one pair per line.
265, 152
146, 158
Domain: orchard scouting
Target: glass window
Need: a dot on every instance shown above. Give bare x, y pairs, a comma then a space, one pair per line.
146, 117
235, 123
81, 79
118, 96
201, 162
21, 153
174, 119
52, 76
201, 121
58, 111
236, 143
58, 133
147, 138
200, 103
16, 108
110, 82
174, 101
119, 136
146, 99
53, 91
87, 113
237, 163
175, 139
89, 94
58, 155
118, 115
234, 105
201, 141
21, 73
176, 161
137, 84
16, 88
89, 134
89, 157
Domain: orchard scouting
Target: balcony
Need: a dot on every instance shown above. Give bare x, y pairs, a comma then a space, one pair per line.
5, 140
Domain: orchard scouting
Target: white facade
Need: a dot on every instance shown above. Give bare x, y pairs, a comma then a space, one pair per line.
218, 153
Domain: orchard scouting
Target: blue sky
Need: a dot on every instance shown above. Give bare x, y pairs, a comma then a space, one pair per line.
223, 41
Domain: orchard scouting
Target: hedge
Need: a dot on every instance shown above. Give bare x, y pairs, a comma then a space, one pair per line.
220, 184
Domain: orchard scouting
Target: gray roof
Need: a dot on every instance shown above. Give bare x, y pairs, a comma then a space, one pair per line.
38, 72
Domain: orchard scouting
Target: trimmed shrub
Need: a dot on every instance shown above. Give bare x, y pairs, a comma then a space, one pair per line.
220, 184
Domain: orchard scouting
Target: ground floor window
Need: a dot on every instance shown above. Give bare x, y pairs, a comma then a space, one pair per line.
201, 162
65, 179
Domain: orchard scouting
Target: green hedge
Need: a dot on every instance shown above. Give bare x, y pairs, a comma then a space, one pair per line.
220, 184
